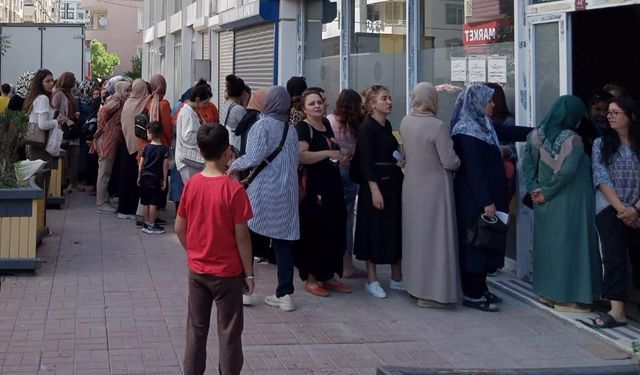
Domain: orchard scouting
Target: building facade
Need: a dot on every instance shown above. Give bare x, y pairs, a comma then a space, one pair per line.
39, 11
118, 25
69, 11
536, 49
11, 11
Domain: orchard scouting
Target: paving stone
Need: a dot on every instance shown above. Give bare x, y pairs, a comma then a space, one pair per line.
111, 300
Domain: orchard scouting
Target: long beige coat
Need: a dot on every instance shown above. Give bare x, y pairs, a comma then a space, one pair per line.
429, 235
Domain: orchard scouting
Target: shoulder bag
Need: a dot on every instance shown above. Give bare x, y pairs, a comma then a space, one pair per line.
247, 181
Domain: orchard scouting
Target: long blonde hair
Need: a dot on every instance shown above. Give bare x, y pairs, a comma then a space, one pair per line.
369, 95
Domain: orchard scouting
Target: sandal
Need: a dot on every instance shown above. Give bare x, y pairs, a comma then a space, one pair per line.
608, 321
482, 304
547, 302
316, 289
427, 303
358, 274
492, 298
572, 307
338, 287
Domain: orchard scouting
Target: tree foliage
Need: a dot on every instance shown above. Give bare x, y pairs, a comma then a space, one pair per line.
102, 62
136, 68
5, 43
13, 127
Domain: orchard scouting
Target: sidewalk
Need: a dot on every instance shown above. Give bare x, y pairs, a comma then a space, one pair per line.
112, 300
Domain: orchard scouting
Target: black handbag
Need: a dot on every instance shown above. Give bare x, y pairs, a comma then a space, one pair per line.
488, 232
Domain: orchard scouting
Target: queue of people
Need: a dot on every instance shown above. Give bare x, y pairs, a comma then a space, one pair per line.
299, 169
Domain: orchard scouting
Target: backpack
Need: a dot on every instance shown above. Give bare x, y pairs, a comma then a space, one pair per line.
141, 122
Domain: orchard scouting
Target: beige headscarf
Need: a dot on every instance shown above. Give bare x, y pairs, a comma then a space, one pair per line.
135, 104
158, 90
425, 99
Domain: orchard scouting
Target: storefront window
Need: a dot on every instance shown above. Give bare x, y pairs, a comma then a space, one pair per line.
463, 42
378, 50
322, 48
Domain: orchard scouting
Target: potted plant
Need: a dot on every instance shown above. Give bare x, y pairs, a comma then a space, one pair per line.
21, 200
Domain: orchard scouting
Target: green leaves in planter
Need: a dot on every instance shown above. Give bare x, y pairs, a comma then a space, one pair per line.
13, 127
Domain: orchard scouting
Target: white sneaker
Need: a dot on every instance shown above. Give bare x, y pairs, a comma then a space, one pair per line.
247, 299
106, 209
397, 285
375, 289
284, 303
126, 216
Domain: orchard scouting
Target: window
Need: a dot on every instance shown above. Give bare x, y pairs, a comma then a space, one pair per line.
454, 14
177, 5
177, 65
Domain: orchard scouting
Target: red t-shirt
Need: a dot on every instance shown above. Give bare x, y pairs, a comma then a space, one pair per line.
211, 206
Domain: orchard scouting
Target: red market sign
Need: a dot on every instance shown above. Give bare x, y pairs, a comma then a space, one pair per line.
481, 33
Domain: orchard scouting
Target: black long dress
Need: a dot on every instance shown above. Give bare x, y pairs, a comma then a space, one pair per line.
479, 182
323, 213
378, 235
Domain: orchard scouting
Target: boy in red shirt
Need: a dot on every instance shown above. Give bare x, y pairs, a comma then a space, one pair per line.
212, 227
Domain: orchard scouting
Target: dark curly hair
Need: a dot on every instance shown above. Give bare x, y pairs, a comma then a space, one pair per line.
349, 110
611, 140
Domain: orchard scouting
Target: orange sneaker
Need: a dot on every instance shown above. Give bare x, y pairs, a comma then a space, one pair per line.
338, 287
316, 289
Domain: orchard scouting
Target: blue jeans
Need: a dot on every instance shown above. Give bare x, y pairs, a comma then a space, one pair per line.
284, 259
350, 193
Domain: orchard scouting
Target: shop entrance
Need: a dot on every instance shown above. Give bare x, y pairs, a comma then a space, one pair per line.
606, 49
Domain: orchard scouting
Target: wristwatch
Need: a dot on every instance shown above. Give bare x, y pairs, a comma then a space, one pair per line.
250, 277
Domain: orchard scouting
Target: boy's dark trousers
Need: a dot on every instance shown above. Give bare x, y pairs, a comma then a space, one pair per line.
226, 292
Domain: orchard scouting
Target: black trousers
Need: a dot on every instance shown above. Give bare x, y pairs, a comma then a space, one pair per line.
620, 244
128, 190
474, 285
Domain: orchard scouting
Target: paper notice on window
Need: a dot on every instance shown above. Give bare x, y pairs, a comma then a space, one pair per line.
497, 69
477, 69
458, 69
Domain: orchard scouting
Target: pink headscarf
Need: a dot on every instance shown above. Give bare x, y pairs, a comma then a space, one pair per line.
158, 90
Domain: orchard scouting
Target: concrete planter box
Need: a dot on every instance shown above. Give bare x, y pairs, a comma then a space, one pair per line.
21, 227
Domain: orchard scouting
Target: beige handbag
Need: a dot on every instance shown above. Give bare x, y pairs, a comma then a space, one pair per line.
35, 136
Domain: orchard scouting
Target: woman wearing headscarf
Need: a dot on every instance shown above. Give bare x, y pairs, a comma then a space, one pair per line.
128, 150
21, 90
65, 103
89, 104
429, 235
159, 110
107, 140
480, 188
254, 107
274, 191
557, 173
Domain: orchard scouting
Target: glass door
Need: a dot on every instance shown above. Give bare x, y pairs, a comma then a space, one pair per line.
549, 58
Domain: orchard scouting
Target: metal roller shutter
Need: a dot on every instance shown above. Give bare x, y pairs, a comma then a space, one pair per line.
254, 55
225, 60
206, 45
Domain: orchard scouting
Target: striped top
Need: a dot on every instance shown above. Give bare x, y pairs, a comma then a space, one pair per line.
274, 192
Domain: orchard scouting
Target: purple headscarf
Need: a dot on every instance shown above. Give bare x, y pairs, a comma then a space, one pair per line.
277, 103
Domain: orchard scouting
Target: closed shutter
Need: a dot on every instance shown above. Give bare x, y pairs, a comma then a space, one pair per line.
225, 61
206, 45
254, 55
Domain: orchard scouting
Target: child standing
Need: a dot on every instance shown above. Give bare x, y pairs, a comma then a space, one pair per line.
152, 177
212, 226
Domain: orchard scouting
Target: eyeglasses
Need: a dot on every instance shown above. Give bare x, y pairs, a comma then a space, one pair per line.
375, 88
614, 114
